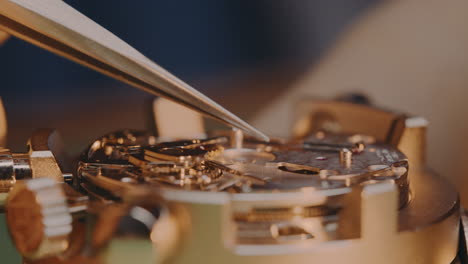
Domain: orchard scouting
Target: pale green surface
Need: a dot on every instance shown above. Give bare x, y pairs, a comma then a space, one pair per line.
130, 251
120, 251
8, 253
3, 197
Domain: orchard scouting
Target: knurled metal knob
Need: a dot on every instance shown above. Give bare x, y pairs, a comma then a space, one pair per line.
38, 218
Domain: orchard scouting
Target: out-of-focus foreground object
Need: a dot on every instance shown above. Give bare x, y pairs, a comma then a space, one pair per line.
57, 27
176, 121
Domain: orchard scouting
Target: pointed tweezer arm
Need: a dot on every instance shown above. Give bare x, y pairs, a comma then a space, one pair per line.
57, 27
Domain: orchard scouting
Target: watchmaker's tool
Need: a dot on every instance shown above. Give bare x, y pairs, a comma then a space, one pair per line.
57, 27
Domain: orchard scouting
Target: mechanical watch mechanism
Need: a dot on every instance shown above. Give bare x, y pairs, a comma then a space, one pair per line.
341, 187
327, 164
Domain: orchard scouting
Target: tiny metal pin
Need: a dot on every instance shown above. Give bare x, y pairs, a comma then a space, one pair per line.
346, 157
330, 147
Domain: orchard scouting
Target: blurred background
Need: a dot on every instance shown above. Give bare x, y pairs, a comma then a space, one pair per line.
257, 58
240, 53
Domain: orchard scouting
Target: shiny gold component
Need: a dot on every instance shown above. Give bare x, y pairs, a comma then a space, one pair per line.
326, 198
42, 159
40, 162
273, 227
38, 218
286, 171
346, 157
347, 118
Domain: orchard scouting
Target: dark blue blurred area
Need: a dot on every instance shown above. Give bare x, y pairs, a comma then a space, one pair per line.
188, 38
195, 40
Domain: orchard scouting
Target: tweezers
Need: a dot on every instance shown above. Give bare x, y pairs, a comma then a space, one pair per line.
59, 28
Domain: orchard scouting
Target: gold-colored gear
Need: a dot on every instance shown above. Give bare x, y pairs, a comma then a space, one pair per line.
38, 218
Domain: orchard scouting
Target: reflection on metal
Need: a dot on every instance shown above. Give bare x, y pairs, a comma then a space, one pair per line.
340, 192
41, 157
326, 198
57, 27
